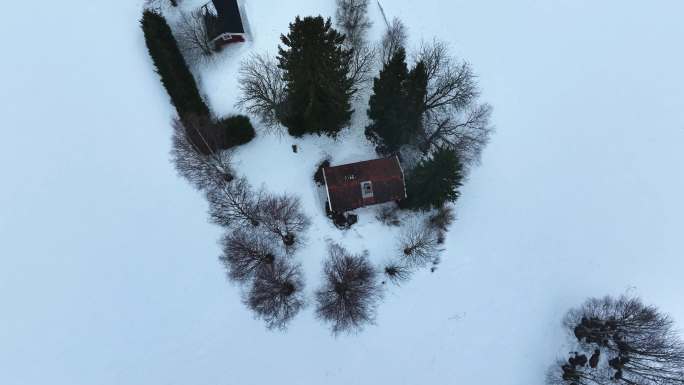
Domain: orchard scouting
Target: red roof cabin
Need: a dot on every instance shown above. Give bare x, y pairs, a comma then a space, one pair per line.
355, 185
224, 22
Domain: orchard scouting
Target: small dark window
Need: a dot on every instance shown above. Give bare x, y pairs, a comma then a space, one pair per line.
366, 190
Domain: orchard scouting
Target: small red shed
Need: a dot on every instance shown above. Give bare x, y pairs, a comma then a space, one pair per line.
224, 22
354, 185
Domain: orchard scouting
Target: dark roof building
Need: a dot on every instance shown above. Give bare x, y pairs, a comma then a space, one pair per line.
224, 21
355, 185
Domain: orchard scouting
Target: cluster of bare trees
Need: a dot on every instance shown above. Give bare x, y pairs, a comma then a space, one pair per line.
620, 341
350, 293
262, 230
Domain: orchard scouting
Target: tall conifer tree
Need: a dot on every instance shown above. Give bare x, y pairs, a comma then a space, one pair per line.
434, 181
395, 108
315, 67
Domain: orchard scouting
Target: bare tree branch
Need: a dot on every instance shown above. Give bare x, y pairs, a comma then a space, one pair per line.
466, 132
361, 65
245, 253
449, 83
393, 39
193, 37
235, 204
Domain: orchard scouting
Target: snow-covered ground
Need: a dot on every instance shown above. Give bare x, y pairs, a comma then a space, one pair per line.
108, 270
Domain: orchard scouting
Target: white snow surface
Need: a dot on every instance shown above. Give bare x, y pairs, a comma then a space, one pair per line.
108, 266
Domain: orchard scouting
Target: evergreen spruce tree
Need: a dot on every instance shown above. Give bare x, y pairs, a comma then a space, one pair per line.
315, 67
395, 108
386, 105
434, 181
416, 91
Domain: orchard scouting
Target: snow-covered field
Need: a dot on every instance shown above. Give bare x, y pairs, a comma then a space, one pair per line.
108, 269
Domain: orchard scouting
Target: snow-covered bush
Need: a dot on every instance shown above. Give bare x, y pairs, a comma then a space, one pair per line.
234, 131
350, 292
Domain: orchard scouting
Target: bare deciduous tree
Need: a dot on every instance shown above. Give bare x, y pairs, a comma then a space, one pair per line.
450, 83
452, 116
418, 244
263, 90
466, 132
282, 215
194, 157
352, 19
393, 39
235, 203
621, 341
350, 293
276, 293
361, 65
193, 36
245, 253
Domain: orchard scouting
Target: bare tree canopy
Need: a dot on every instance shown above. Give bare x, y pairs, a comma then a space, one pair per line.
282, 215
466, 132
245, 253
393, 39
620, 341
276, 294
396, 272
263, 90
350, 293
235, 204
361, 66
352, 19
193, 37
450, 83
195, 159
453, 118
418, 244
